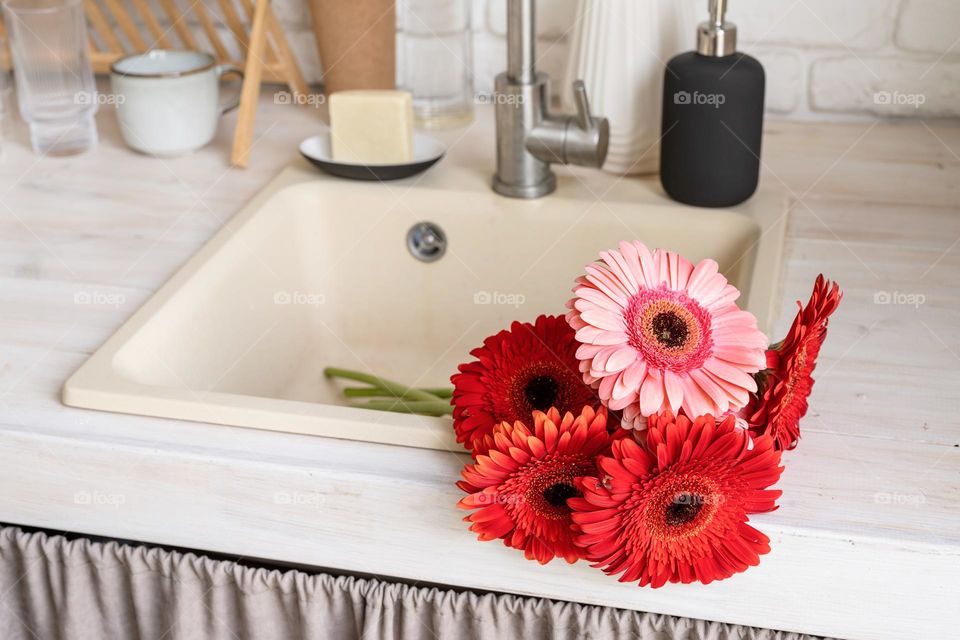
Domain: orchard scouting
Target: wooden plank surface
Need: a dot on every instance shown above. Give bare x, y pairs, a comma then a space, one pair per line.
868, 533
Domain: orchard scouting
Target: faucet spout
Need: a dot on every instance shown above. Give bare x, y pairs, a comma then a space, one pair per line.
521, 41
529, 137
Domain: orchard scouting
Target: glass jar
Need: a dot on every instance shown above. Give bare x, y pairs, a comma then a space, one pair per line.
435, 60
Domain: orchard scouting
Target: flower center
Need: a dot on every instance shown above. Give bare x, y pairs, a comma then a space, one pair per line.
541, 392
669, 329
683, 509
682, 503
540, 384
547, 484
557, 494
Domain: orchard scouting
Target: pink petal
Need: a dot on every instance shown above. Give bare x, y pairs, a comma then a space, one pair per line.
673, 266
606, 387
663, 269
632, 418
730, 374
632, 259
622, 395
647, 265
603, 320
592, 335
596, 297
651, 395
718, 398
705, 283
738, 397
696, 401
619, 268
674, 390
622, 359
573, 319
634, 374
728, 295
600, 359
754, 358
601, 278
587, 351
684, 270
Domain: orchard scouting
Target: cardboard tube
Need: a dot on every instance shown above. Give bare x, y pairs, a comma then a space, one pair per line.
356, 40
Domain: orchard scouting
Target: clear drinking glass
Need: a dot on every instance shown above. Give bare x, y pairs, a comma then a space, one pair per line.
51, 63
435, 60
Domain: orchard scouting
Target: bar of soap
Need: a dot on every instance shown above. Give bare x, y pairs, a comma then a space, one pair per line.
371, 127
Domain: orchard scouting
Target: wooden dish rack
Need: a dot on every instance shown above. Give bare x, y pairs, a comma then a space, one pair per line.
119, 28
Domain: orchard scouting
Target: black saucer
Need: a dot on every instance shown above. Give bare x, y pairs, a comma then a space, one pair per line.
426, 152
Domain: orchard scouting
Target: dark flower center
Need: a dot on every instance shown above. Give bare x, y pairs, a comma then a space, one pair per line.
557, 494
670, 329
541, 392
683, 509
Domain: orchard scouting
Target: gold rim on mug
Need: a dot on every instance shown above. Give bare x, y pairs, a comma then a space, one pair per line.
211, 63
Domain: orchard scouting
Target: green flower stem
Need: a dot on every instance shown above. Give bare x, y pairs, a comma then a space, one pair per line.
393, 388
375, 392
440, 392
433, 408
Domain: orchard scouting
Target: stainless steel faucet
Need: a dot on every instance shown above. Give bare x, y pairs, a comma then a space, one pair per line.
529, 137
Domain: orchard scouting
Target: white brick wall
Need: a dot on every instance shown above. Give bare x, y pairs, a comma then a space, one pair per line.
824, 58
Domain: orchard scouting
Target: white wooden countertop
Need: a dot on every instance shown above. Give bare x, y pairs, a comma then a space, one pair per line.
866, 543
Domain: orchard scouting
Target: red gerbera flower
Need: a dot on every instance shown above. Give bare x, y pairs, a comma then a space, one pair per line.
521, 486
674, 509
531, 367
785, 385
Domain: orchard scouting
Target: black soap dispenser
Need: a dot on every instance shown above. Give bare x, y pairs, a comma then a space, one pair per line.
712, 119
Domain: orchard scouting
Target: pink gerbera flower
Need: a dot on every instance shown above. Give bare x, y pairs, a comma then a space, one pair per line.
658, 333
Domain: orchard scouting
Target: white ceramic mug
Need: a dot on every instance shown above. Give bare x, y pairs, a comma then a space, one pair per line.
168, 102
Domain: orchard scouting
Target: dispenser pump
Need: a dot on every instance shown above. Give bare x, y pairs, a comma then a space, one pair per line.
712, 122
717, 38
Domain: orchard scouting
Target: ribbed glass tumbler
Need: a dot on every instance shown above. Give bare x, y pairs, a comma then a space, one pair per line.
54, 79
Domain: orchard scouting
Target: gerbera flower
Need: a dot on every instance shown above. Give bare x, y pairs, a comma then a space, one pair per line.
521, 486
531, 367
659, 333
675, 508
787, 382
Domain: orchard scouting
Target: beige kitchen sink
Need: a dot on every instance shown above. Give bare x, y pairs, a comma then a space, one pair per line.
316, 272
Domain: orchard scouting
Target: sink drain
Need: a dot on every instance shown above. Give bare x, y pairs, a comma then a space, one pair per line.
426, 241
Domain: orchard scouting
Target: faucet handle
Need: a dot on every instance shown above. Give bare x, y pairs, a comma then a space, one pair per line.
584, 119
587, 143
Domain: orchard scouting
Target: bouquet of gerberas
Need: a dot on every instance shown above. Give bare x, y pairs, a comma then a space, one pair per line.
639, 430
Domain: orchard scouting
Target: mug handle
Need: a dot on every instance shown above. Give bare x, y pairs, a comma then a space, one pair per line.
225, 70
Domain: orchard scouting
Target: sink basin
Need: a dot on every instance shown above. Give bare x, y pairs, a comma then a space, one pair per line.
316, 272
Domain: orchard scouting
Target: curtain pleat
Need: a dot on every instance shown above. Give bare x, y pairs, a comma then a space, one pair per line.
52, 588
